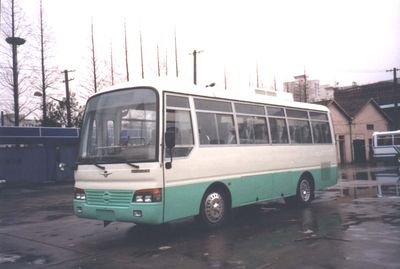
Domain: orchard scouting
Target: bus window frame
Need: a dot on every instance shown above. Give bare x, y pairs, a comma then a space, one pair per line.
187, 109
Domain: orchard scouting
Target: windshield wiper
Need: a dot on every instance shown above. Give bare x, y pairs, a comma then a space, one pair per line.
99, 166
133, 165
112, 159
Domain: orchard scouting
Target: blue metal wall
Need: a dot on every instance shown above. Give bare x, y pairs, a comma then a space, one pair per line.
32, 155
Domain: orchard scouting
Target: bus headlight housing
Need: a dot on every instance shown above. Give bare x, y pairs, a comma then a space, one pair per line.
147, 196
80, 194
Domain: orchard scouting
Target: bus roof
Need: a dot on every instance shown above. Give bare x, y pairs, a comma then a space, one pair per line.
248, 95
386, 133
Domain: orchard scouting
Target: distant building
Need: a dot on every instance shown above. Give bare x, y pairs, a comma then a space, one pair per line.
353, 123
359, 110
310, 91
382, 93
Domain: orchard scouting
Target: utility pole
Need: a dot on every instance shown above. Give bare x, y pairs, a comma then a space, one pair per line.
195, 52
396, 98
67, 95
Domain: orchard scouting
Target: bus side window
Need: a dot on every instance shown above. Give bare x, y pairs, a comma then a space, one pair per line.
252, 130
384, 140
396, 139
216, 129
279, 133
226, 129
207, 128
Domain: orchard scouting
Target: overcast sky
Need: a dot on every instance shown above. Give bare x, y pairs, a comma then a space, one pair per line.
333, 41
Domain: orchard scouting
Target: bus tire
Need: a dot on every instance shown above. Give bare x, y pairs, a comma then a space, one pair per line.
304, 193
214, 209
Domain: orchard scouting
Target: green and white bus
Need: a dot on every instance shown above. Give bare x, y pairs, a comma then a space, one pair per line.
156, 152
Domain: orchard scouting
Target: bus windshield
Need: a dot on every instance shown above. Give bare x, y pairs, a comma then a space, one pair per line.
120, 126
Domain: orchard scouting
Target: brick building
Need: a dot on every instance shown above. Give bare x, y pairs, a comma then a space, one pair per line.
383, 93
353, 126
358, 111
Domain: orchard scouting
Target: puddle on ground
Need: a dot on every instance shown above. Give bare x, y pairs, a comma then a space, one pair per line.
12, 258
370, 182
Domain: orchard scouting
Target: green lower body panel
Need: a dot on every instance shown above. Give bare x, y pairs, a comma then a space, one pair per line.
151, 213
184, 201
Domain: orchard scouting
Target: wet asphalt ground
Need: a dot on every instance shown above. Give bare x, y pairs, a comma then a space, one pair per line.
355, 224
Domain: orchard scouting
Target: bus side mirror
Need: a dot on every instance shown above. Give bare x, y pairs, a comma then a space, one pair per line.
170, 144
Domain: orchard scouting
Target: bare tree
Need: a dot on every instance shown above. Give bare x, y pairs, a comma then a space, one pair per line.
97, 74
94, 61
49, 75
112, 73
158, 62
126, 52
176, 54
141, 54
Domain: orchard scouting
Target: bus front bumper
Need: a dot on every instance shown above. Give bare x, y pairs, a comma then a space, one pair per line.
149, 213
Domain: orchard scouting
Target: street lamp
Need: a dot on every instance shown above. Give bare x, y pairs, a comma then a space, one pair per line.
40, 94
14, 42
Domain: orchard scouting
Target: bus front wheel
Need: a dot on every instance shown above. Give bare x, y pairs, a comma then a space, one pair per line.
214, 208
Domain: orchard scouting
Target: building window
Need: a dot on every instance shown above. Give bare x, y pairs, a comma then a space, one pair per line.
370, 127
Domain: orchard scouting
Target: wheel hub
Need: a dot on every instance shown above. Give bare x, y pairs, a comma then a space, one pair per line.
214, 207
305, 190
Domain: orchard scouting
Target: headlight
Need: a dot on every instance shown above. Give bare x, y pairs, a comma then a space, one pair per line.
80, 194
147, 196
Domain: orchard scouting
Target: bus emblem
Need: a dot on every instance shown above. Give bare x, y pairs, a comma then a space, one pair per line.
105, 174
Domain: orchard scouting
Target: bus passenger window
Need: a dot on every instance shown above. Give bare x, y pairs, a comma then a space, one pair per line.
252, 130
226, 129
300, 131
216, 128
321, 132
207, 128
320, 127
279, 133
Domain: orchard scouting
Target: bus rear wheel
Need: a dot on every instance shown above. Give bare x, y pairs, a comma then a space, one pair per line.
304, 193
214, 208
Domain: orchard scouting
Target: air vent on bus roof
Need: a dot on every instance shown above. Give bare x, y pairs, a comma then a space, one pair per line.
278, 94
